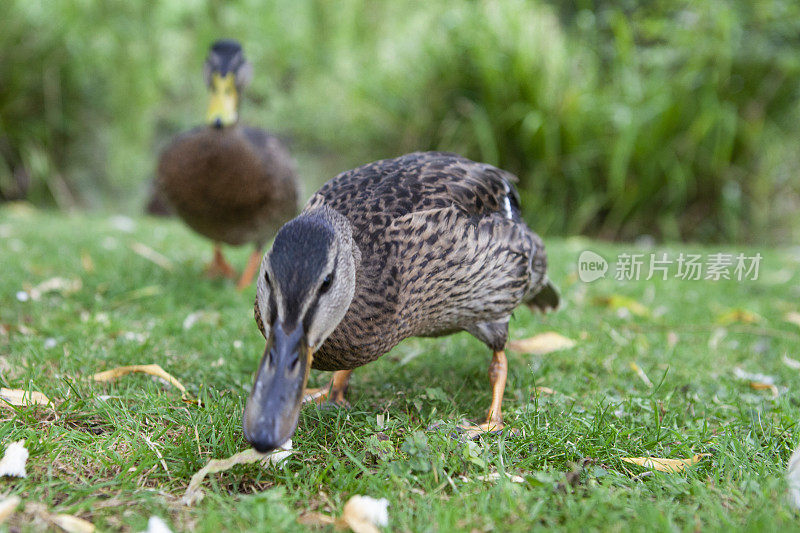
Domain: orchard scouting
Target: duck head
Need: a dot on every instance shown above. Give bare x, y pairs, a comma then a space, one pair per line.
226, 73
304, 288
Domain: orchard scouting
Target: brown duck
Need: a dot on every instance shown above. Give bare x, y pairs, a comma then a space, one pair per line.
427, 244
228, 182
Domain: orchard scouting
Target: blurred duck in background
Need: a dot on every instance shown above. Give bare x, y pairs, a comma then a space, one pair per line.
231, 183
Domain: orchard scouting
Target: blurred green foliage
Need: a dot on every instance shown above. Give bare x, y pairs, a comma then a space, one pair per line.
675, 118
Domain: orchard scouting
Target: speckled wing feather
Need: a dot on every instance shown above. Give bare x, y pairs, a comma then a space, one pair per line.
443, 248
373, 195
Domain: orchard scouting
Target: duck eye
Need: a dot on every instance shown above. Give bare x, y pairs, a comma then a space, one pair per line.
326, 284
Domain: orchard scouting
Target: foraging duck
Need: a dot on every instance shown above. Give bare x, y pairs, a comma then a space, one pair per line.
228, 182
426, 244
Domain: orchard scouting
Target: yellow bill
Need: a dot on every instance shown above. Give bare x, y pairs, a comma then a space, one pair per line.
224, 101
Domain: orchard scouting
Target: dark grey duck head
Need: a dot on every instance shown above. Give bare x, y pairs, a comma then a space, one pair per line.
303, 291
226, 73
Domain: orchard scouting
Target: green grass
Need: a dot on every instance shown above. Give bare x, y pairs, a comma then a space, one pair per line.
675, 118
90, 456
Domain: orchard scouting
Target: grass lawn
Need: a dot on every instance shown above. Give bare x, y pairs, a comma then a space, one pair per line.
117, 453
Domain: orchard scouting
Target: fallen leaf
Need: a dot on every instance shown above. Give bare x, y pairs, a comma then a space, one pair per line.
738, 316
617, 301
752, 376
756, 385
639, 372
793, 317
14, 458
86, 262
152, 256
193, 492
62, 286
153, 370
363, 514
8, 506
71, 524
544, 390
541, 344
23, 398
315, 519
665, 465
791, 363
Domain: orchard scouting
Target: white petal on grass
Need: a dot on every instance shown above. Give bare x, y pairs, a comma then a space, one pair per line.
207, 317
494, 476
13, 462
793, 478
123, 223
62, 286
791, 363
23, 296
752, 376
194, 493
157, 525
8, 506
136, 337
364, 514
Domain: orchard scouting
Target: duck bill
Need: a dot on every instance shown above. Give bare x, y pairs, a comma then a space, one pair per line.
270, 416
224, 101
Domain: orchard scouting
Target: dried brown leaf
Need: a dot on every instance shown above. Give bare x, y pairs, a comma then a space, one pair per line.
23, 398
665, 465
193, 492
544, 390
86, 262
315, 519
758, 385
71, 524
153, 370
738, 316
152, 256
639, 372
541, 344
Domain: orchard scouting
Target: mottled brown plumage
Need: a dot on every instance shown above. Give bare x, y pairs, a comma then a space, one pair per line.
443, 249
426, 244
235, 185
